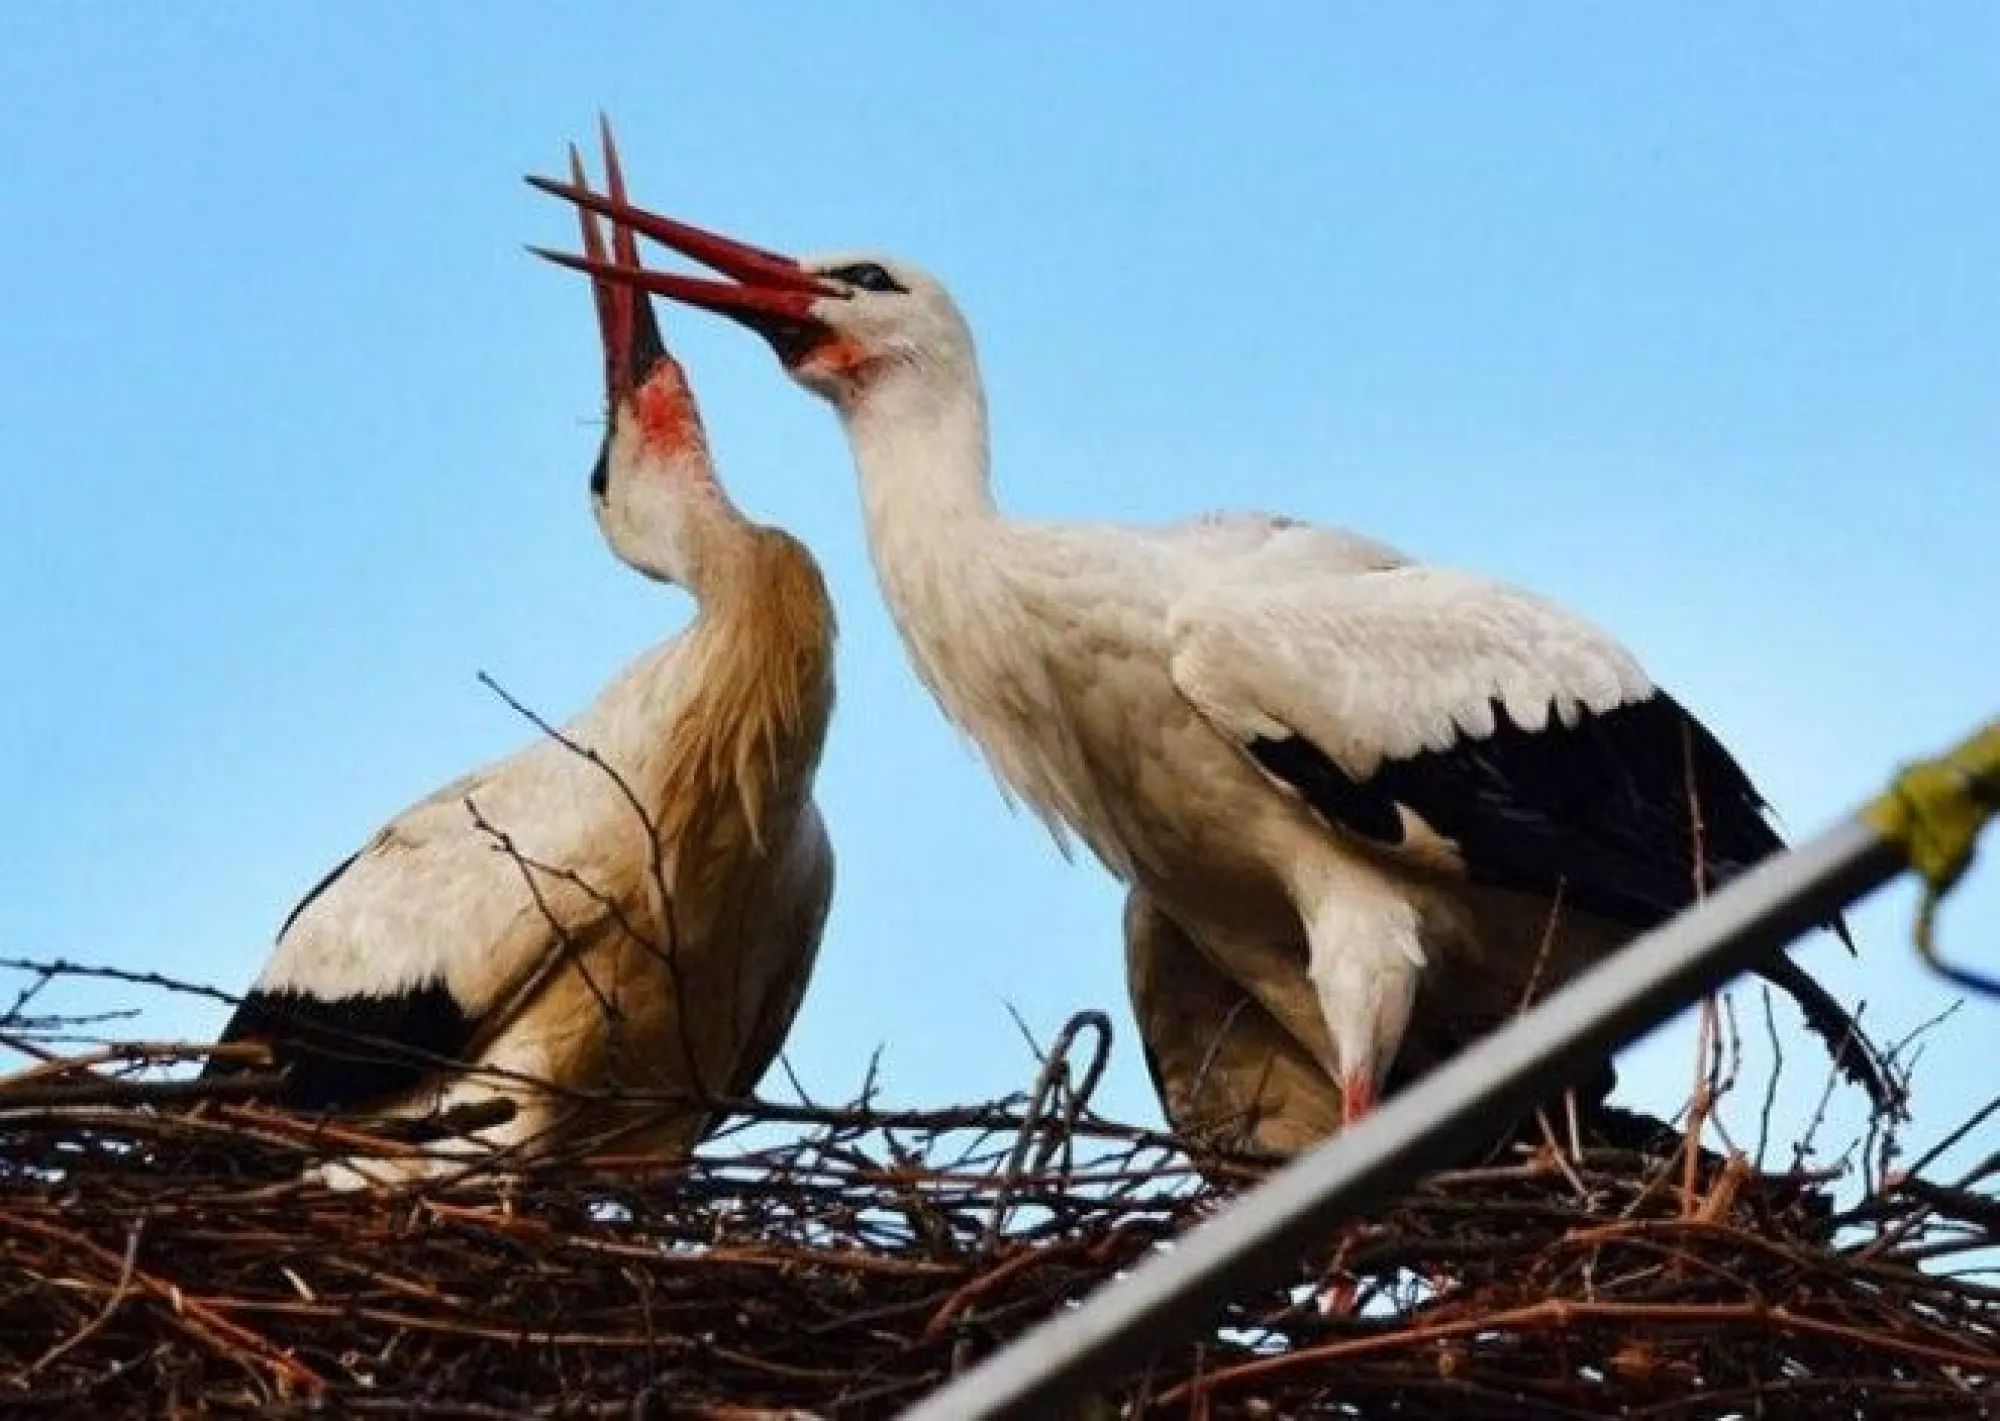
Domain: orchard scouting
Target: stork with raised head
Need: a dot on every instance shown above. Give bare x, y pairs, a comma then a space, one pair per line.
636, 909
1288, 737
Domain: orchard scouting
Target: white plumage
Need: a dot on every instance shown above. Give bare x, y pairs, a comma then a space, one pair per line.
635, 910
1385, 666
1300, 747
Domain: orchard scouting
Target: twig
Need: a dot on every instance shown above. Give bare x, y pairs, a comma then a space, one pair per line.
111, 1305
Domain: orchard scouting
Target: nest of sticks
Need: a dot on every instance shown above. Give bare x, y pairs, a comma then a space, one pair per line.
165, 1246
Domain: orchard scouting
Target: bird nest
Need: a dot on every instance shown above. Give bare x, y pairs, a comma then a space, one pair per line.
166, 1246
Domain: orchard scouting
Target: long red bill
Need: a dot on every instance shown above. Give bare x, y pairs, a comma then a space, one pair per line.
603, 292
745, 302
739, 260
632, 343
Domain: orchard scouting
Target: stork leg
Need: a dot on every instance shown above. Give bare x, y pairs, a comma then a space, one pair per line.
1357, 1097
1365, 958
1340, 1290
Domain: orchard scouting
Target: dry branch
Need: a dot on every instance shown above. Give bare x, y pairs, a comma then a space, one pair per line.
165, 1249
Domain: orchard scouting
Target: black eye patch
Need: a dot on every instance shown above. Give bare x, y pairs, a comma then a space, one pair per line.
868, 276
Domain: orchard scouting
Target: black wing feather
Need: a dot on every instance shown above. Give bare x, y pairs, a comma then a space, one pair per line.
1609, 812
1599, 808
348, 1053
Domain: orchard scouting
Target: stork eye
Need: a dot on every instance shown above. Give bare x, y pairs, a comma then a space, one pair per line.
866, 275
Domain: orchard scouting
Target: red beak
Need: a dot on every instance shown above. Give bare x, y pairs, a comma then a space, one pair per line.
625, 321
771, 294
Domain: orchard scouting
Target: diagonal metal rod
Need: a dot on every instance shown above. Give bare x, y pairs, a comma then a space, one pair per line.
1256, 1240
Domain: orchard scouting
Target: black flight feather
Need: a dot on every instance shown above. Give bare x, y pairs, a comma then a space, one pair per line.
350, 1053
1597, 810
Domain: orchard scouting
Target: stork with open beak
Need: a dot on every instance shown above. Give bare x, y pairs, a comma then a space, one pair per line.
636, 910
1298, 743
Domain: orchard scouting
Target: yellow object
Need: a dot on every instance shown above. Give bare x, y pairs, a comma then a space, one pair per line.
1934, 812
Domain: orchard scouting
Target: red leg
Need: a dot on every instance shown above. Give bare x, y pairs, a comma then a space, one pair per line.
1338, 1291
1338, 1294
1357, 1098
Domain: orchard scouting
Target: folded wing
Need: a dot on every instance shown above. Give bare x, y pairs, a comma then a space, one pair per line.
1442, 716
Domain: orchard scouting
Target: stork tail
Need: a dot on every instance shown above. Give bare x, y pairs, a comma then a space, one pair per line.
1852, 1051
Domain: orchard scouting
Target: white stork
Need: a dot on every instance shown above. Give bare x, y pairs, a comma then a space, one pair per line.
435, 967
1286, 736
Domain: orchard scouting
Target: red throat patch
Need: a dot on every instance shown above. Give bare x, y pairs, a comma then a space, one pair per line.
839, 358
665, 409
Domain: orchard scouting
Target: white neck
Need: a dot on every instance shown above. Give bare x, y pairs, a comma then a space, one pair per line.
919, 441
948, 565
664, 514
918, 435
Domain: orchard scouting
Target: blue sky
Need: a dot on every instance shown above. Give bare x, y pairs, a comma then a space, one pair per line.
1690, 319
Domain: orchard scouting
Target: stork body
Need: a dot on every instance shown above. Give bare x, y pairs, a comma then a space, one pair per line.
1298, 744
1087, 663
635, 906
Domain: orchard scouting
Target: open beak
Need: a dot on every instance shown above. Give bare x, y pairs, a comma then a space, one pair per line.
771, 294
625, 320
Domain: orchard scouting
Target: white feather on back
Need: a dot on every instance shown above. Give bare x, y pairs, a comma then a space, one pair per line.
1384, 664
431, 898
1042, 650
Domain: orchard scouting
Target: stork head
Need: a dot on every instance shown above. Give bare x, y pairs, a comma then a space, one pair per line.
846, 326
885, 318
653, 489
